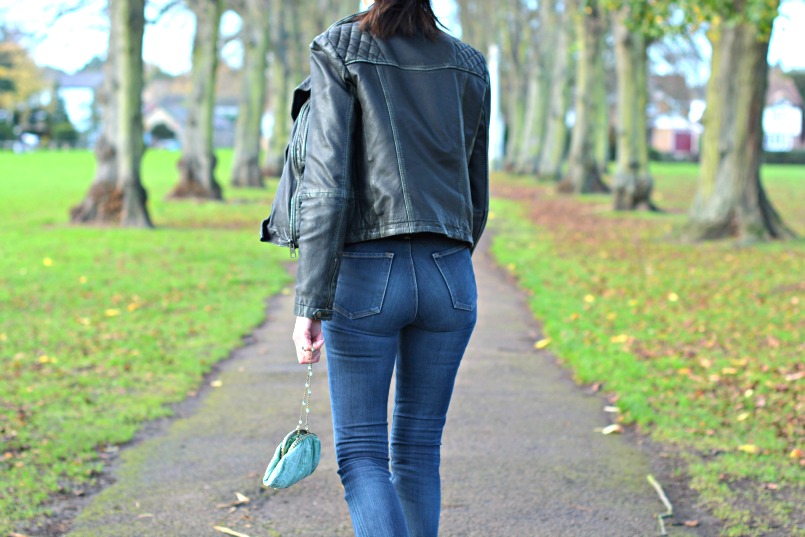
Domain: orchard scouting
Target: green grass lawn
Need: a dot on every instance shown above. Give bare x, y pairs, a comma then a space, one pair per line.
101, 328
701, 345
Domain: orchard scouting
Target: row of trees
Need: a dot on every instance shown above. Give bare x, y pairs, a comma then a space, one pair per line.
555, 58
555, 54
274, 37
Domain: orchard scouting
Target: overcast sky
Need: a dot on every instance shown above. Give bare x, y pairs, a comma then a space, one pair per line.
76, 38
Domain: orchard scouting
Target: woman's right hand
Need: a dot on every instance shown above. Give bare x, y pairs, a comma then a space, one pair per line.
308, 339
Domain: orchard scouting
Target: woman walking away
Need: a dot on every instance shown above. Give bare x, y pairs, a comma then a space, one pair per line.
393, 201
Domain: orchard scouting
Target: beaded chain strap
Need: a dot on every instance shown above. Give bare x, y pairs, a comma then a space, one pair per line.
305, 412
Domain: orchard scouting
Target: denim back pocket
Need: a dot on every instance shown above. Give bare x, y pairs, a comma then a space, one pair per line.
455, 265
362, 282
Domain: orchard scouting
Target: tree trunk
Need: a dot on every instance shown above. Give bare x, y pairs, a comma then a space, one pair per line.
117, 195
131, 17
602, 129
555, 137
280, 87
197, 165
514, 110
103, 203
537, 91
246, 171
583, 175
533, 125
516, 19
633, 183
731, 200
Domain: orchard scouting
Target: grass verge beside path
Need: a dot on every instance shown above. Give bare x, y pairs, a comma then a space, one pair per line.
101, 328
701, 345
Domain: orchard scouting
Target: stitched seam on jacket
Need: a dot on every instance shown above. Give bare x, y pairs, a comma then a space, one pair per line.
397, 148
342, 213
417, 67
466, 164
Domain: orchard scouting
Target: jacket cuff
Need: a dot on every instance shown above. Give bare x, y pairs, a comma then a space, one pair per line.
319, 314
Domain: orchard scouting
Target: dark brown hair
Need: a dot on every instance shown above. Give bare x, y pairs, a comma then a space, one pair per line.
387, 18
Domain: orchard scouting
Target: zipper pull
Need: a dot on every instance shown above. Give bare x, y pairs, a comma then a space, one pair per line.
293, 249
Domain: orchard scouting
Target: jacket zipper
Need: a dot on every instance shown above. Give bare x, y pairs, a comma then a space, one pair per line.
292, 241
296, 150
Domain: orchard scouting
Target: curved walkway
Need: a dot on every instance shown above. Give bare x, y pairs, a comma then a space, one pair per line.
521, 456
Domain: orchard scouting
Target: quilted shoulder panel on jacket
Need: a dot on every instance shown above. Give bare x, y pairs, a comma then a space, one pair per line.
470, 59
352, 44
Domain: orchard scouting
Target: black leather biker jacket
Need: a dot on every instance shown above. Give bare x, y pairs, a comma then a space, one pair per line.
397, 144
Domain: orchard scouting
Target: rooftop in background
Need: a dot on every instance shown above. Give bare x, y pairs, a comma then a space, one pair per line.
782, 89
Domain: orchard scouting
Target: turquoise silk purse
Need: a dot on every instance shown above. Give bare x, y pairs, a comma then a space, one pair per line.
298, 454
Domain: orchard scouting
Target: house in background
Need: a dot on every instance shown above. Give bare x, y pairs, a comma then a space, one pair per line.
77, 91
673, 116
783, 115
170, 116
676, 135
676, 118
165, 108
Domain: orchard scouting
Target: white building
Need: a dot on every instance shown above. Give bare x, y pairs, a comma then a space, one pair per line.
78, 93
782, 126
782, 117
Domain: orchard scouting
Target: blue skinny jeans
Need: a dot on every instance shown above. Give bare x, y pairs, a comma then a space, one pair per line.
404, 304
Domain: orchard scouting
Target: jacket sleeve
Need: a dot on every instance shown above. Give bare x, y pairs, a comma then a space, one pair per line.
325, 192
479, 171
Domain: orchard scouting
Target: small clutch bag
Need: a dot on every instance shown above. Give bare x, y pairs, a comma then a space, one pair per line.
298, 454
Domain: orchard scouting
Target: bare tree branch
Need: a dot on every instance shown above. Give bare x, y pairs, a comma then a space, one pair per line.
164, 10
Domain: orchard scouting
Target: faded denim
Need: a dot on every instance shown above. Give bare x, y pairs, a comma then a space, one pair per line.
406, 305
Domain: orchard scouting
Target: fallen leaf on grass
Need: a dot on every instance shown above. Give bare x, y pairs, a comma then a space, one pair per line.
612, 429
743, 415
216, 383
622, 338
146, 515
795, 376
610, 408
542, 343
691, 523
227, 531
796, 453
112, 312
752, 449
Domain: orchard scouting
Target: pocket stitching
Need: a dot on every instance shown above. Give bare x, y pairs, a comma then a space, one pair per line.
453, 250
436, 258
387, 268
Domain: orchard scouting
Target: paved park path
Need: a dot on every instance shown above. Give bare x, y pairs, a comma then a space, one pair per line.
521, 456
